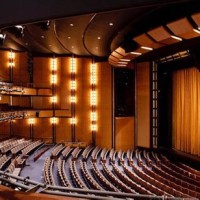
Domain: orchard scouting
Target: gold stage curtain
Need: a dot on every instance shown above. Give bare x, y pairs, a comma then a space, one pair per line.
186, 110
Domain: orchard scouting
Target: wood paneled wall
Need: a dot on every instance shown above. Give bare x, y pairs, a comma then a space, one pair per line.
124, 128
143, 105
4, 68
104, 105
42, 127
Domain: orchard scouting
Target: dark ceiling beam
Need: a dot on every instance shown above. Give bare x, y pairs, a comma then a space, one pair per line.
23, 11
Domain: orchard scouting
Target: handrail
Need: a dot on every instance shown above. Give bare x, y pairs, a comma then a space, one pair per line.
90, 193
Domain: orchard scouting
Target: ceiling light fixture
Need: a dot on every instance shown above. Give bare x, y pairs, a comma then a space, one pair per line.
42, 36
147, 48
123, 59
176, 38
69, 37
71, 24
123, 62
197, 31
110, 24
98, 38
136, 53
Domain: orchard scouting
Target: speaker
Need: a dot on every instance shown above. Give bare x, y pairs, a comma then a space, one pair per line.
37, 113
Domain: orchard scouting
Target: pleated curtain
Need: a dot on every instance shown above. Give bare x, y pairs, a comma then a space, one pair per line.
186, 110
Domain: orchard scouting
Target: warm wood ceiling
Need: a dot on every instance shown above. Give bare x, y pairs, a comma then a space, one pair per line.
94, 32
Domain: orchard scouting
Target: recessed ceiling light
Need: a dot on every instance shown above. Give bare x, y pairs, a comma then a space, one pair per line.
72, 47
50, 45
176, 38
69, 37
42, 36
98, 38
110, 24
122, 59
71, 24
136, 53
147, 48
197, 31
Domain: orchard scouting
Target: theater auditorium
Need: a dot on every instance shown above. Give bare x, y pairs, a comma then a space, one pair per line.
100, 99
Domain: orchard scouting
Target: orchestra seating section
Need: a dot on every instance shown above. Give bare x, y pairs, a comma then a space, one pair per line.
140, 171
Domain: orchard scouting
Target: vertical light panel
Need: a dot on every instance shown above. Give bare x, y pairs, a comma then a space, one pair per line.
93, 97
53, 71
11, 56
54, 66
73, 98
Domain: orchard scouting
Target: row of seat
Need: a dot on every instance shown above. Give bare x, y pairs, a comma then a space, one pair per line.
57, 150
189, 169
20, 146
31, 147
87, 152
95, 153
121, 185
92, 182
62, 174
75, 175
11, 144
105, 183
3, 160
48, 171
66, 151
172, 185
122, 176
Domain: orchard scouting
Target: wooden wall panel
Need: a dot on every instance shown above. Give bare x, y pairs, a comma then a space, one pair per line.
4, 99
83, 132
4, 129
21, 101
20, 72
21, 128
63, 130
124, 129
4, 69
104, 105
143, 105
42, 102
43, 129
65, 78
42, 72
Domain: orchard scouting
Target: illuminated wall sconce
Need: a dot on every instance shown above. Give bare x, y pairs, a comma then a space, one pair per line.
73, 85
73, 99
93, 77
54, 99
73, 65
93, 98
93, 127
53, 79
31, 121
54, 64
93, 116
11, 56
73, 120
54, 120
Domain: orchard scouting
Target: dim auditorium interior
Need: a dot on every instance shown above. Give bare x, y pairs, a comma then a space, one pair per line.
100, 99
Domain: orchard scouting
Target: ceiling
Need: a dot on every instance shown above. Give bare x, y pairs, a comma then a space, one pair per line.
94, 32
